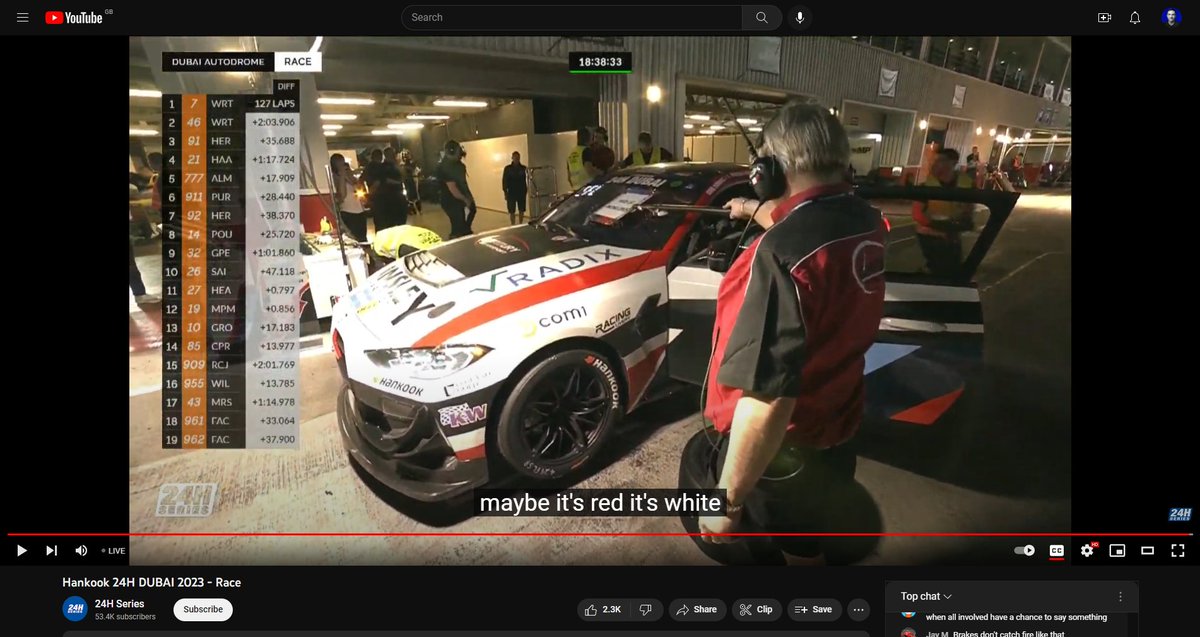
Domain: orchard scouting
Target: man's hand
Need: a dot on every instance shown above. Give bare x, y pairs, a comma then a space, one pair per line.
728, 523
741, 208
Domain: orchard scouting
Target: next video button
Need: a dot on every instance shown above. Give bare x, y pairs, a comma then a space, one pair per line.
195, 609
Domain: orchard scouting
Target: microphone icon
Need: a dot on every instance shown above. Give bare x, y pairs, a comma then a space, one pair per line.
799, 17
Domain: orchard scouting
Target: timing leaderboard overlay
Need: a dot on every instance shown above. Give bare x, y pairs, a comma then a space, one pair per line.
231, 270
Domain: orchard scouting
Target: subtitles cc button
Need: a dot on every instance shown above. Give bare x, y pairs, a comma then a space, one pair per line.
195, 609
697, 610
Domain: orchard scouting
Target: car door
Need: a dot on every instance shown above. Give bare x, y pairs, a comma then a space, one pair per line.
932, 333
692, 287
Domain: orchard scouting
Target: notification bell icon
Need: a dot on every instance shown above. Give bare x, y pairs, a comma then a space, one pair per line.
1134, 18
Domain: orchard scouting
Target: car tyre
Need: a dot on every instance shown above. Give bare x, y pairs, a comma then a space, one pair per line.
559, 414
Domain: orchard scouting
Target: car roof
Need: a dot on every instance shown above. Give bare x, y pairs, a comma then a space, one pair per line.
685, 170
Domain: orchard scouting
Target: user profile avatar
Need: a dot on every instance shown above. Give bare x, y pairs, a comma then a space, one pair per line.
1172, 17
908, 632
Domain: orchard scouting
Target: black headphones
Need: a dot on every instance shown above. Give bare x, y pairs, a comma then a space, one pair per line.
453, 149
766, 173
766, 177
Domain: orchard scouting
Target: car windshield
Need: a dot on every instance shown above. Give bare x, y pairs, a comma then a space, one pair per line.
613, 212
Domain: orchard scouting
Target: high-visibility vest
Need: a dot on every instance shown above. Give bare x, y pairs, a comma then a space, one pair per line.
655, 156
575, 170
388, 241
925, 213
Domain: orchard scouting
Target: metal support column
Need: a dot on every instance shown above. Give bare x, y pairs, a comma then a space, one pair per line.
1036, 67
1062, 83
992, 58
925, 45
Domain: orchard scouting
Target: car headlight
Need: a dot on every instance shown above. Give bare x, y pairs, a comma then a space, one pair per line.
428, 363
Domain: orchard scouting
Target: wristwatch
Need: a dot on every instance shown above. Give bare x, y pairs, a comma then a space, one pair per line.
731, 508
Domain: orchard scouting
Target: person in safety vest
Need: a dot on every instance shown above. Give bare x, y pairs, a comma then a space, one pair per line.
578, 162
646, 153
939, 223
398, 241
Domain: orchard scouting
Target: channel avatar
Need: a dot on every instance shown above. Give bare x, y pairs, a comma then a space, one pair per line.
1172, 17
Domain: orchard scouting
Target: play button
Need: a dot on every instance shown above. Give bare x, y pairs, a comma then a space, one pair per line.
21, 550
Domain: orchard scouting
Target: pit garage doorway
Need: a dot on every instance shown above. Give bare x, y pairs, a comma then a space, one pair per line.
713, 113
880, 139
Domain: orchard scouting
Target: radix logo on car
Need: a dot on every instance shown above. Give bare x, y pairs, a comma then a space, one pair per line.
502, 279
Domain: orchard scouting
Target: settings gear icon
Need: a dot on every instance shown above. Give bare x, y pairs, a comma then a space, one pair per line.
1086, 550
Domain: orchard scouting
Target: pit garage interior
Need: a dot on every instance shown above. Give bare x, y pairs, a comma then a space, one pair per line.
1001, 465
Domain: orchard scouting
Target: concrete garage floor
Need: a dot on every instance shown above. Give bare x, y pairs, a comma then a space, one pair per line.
999, 461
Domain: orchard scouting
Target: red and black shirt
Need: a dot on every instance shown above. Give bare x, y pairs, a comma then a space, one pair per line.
797, 312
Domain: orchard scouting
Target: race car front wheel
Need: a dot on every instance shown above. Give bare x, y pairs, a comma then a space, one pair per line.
559, 414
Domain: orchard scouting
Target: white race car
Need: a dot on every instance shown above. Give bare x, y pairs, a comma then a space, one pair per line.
521, 349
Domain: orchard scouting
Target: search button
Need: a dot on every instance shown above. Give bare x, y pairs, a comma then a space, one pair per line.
761, 17
194, 609
799, 17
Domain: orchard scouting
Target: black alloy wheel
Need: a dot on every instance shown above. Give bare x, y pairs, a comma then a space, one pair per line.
559, 414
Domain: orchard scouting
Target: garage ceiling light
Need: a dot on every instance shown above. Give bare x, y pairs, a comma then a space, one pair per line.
346, 101
978, 130
331, 126
406, 126
746, 120
708, 131
689, 125
699, 117
459, 103
142, 92
386, 132
330, 133
717, 127
339, 117
142, 132
754, 129
923, 124
653, 93
428, 117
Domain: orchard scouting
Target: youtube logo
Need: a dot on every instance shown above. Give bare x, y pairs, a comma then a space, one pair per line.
55, 17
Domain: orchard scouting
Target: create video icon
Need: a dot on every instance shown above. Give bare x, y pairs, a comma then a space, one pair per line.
55, 17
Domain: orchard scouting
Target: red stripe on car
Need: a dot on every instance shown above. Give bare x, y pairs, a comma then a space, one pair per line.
474, 453
641, 373
532, 295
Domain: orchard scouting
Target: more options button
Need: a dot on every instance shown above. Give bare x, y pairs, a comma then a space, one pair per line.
197, 609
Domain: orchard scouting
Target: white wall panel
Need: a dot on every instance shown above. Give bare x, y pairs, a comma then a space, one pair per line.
486, 159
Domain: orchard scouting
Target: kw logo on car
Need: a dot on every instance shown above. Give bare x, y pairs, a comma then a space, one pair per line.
456, 416
615, 321
510, 279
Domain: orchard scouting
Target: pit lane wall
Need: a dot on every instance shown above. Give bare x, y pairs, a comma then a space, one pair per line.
824, 69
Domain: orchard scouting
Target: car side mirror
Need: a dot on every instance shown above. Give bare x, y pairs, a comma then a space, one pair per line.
720, 254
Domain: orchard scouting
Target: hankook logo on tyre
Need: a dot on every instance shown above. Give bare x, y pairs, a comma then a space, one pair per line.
614, 388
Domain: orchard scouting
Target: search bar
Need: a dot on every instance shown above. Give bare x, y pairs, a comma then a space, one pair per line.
589, 19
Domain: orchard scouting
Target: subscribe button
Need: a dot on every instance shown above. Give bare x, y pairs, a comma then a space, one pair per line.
193, 609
